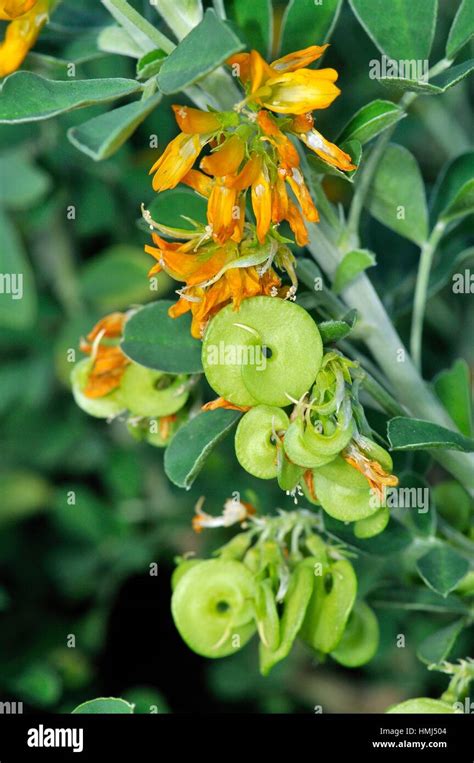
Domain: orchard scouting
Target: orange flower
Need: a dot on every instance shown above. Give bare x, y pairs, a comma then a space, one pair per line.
193, 268
221, 402
11, 9
226, 159
375, 475
235, 285
327, 151
262, 203
22, 32
109, 362
296, 224
195, 121
285, 86
223, 212
176, 160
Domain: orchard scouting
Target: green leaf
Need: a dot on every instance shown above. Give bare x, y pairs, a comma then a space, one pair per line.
26, 97
462, 204
438, 645
255, 21
192, 443
168, 208
153, 339
180, 15
150, 64
38, 684
23, 183
18, 291
117, 278
352, 265
452, 186
107, 705
102, 136
114, 39
415, 434
145, 35
192, 59
307, 23
442, 568
453, 387
371, 120
351, 147
439, 84
462, 29
417, 599
397, 195
334, 331
405, 31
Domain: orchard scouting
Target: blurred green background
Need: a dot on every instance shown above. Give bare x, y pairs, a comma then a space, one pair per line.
82, 569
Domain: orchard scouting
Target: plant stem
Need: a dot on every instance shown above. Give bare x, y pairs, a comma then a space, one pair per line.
421, 290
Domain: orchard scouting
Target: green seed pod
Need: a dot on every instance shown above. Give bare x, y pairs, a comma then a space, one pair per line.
288, 473
344, 492
164, 429
252, 559
236, 548
360, 639
297, 450
266, 613
212, 607
152, 393
296, 601
101, 407
329, 611
335, 435
375, 452
317, 548
255, 443
453, 503
269, 349
182, 568
373, 525
421, 705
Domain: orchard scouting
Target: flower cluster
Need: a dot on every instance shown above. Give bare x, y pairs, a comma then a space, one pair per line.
26, 18
251, 153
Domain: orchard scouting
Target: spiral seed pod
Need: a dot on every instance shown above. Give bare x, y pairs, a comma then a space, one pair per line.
297, 450
153, 393
212, 607
344, 492
256, 440
360, 639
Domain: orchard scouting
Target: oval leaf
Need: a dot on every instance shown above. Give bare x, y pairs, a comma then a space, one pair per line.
371, 120
102, 136
415, 434
397, 195
105, 705
453, 387
153, 339
308, 23
255, 21
191, 60
26, 97
352, 265
435, 86
442, 569
193, 442
437, 646
405, 31
462, 29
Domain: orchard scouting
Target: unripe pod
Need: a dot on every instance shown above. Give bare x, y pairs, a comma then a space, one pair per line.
360, 639
255, 444
152, 393
212, 607
104, 407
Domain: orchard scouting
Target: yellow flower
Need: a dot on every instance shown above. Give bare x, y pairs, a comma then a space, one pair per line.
195, 121
300, 91
26, 20
285, 86
11, 9
176, 160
